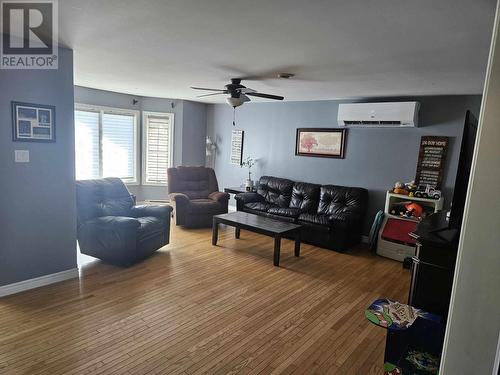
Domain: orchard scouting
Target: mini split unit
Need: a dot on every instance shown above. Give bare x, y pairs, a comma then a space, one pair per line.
393, 114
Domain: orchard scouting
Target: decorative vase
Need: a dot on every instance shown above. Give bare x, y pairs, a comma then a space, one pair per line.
249, 185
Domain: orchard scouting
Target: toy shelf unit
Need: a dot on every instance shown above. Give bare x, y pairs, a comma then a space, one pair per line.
430, 205
394, 240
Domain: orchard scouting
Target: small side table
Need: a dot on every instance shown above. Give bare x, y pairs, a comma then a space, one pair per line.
237, 190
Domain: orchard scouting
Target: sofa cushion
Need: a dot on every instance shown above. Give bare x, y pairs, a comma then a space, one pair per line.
336, 200
150, 226
258, 206
276, 191
305, 196
286, 212
204, 207
315, 218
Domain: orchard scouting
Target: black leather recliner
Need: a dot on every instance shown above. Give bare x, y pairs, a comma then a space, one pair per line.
331, 216
112, 228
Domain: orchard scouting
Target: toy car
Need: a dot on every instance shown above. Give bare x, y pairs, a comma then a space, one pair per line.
427, 191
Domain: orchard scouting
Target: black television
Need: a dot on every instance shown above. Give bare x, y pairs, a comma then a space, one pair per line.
463, 171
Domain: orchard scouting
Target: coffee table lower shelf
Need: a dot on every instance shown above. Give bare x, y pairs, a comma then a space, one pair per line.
258, 224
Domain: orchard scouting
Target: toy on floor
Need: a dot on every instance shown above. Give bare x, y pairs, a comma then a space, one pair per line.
414, 337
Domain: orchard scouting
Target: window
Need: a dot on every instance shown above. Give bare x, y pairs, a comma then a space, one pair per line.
158, 136
106, 143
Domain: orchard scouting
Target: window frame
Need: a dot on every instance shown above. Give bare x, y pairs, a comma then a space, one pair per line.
145, 115
116, 111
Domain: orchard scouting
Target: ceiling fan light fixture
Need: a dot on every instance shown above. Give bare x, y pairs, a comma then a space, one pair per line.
235, 102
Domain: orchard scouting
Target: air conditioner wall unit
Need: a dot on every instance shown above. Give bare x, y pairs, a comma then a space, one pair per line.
387, 114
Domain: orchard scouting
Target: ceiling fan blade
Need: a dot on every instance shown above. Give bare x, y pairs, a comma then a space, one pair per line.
246, 90
244, 97
267, 96
204, 88
214, 93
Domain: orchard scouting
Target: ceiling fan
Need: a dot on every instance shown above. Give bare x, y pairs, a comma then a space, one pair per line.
238, 94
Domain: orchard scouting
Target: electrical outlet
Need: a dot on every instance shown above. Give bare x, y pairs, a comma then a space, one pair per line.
22, 156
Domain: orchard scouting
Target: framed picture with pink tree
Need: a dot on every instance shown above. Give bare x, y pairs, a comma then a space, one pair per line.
320, 142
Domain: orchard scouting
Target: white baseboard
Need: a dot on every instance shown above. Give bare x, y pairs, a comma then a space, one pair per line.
38, 282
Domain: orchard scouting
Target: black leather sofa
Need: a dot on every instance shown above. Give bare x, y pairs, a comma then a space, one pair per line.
111, 227
331, 216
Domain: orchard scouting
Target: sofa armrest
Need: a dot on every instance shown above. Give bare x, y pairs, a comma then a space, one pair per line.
179, 199
159, 211
249, 198
181, 203
244, 198
112, 238
219, 196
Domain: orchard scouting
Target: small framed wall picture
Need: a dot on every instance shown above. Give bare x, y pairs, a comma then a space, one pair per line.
320, 142
33, 122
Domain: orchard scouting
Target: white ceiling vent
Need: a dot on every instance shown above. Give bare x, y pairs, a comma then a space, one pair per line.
388, 114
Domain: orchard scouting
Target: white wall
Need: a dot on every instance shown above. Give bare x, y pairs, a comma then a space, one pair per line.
474, 322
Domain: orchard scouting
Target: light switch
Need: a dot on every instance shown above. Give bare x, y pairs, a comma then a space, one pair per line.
22, 156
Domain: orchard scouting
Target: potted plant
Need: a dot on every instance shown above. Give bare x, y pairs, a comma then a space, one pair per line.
249, 163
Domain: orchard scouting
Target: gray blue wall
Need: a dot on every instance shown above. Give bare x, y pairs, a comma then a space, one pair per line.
189, 128
374, 158
194, 133
37, 199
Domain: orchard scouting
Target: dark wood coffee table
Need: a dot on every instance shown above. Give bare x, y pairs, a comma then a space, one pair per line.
258, 224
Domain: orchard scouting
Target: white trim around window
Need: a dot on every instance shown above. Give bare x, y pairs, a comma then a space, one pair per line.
101, 110
169, 123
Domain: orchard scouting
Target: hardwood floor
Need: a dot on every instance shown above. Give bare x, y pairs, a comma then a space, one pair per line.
198, 309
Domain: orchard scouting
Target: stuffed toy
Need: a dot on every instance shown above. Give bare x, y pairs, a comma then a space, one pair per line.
399, 188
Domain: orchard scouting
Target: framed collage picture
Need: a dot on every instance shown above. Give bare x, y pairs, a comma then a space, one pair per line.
320, 142
33, 122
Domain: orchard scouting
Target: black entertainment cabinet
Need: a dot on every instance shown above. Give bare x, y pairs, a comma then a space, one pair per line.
433, 265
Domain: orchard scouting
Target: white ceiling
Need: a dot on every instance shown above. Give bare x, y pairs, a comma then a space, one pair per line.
336, 48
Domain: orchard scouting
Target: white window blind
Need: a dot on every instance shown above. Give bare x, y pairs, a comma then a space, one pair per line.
158, 153
118, 141
106, 143
87, 145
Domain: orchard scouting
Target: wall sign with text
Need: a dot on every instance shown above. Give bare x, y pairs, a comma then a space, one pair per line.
431, 159
237, 146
